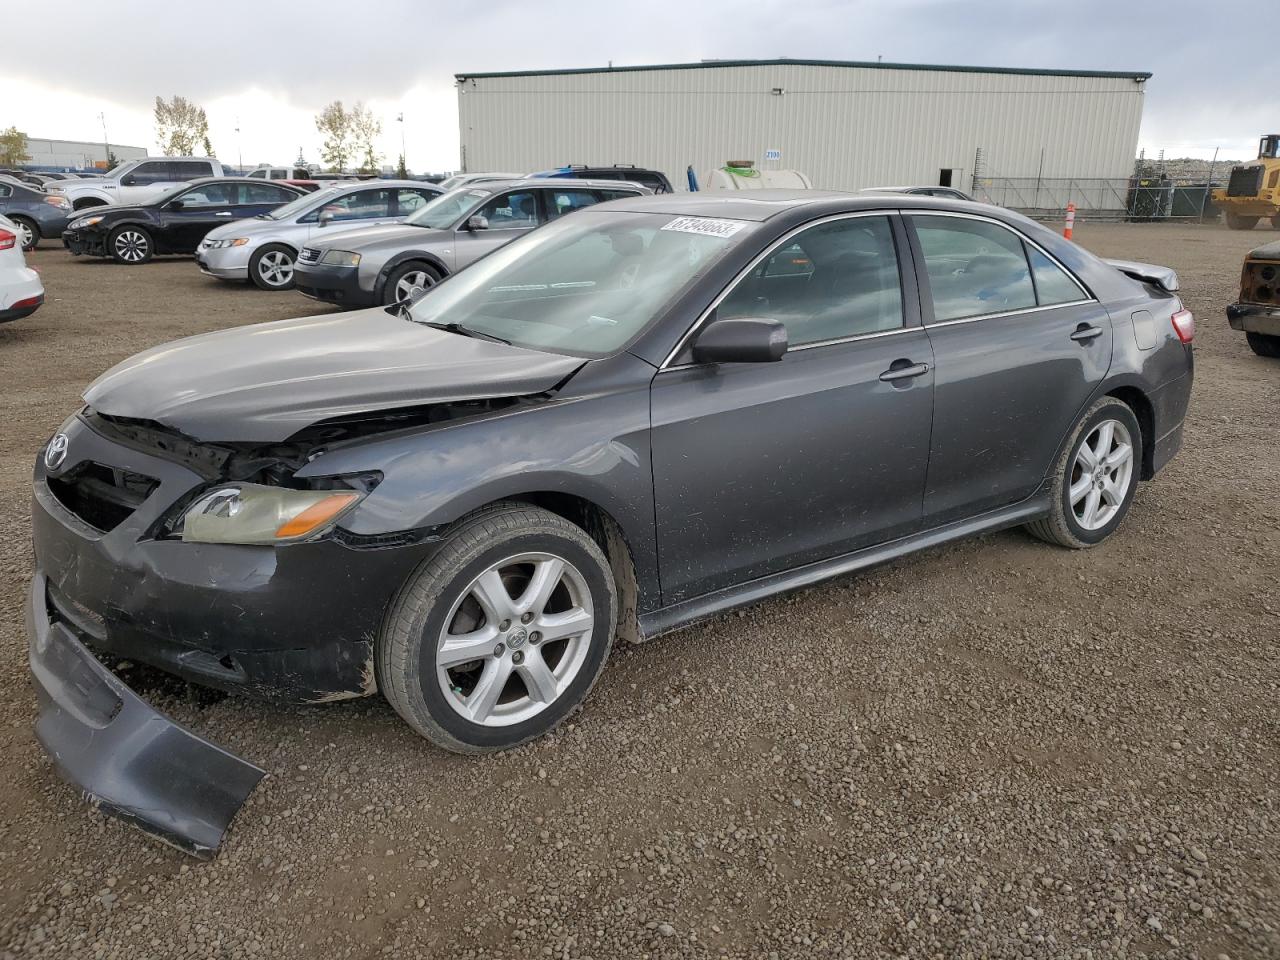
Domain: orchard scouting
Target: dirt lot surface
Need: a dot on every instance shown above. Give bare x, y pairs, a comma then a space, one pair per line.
995, 749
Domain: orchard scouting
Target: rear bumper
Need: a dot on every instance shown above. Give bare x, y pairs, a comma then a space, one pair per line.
1254, 318
22, 308
340, 285
128, 758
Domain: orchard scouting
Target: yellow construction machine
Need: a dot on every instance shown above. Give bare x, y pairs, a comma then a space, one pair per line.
1253, 192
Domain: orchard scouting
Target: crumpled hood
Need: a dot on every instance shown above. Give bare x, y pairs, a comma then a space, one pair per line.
265, 382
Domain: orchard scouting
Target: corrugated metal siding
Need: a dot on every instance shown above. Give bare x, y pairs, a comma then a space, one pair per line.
846, 127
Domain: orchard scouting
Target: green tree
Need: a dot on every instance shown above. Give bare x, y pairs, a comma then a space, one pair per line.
366, 128
13, 147
181, 126
336, 124
401, 172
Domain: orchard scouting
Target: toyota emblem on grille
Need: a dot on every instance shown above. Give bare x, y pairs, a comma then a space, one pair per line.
56, 451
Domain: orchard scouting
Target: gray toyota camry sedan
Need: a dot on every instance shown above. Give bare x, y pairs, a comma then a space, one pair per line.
644, 414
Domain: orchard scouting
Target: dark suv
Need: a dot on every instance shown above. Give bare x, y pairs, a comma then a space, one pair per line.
655, 180
646, 413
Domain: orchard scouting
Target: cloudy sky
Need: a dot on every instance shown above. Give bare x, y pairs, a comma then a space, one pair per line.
269, 70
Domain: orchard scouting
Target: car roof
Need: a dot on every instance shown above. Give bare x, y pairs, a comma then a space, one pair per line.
761, 205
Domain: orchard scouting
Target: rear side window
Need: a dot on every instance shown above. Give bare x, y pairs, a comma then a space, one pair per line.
615, 194
1053, 285
189, 169
409, 201
209, 195
835, 280
975, 268
560, 202
264, 193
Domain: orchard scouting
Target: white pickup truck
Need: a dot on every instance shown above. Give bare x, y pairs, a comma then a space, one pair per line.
136, 181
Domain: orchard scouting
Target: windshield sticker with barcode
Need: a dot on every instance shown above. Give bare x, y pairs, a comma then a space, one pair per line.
707, 226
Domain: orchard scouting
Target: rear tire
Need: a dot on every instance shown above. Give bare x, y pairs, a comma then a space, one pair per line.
1264, 345
130, 245
28, 232
1095, 478
407, 277
271, 268
460, 655
1236, 221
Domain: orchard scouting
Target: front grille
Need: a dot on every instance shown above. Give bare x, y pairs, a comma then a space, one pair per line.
309, 255
1245, 182
103, 497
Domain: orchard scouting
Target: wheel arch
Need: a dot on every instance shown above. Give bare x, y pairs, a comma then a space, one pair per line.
399, 260
1137, 401
91, 200
609, 535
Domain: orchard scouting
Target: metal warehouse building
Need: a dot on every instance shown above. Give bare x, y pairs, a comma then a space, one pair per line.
76, 154
845, 124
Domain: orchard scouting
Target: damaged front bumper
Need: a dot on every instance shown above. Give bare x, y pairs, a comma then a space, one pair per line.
1254, 318
127, 757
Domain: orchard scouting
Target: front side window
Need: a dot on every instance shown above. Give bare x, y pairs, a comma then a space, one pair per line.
155, 171
6, 190
361, 205
208, 195
512, 211
834, 280
975, 268
582, 285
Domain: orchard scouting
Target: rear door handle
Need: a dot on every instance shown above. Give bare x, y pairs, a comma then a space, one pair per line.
223, 213
904, 370
1084, 333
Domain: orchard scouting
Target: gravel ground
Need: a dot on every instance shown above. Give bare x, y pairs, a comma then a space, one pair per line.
995, 749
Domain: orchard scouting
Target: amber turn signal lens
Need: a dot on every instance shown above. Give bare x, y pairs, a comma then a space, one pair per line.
316, 515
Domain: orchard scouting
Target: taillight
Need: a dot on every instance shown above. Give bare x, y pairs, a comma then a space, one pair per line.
1184, 324
8, 240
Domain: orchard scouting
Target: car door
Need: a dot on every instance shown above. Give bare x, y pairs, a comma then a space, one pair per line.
143, 181
1019, 345
761, 467
508, 215
203, 207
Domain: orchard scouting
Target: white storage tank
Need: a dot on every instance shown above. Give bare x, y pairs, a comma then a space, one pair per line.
743, 175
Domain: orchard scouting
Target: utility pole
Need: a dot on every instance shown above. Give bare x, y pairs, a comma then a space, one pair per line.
106, 146
239, 152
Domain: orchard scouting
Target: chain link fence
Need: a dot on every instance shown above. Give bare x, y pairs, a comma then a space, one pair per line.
1137, 198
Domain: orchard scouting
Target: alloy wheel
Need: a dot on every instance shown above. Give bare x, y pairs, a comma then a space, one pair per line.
275, 268
1101, 475
515, 639
25, 236
131, 246
412, 282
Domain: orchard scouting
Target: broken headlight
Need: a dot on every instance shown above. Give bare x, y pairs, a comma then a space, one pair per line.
253, 513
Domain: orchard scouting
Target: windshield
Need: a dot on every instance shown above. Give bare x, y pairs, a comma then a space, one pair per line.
302, 204
446, 209
583, 285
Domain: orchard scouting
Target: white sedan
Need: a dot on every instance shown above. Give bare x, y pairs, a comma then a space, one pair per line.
21, 291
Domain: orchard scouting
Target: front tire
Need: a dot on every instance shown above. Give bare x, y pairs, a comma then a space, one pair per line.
406, 279
130, 245
501, 634
1095, 478
1263, 345
271, 268
28, 232
1236, 221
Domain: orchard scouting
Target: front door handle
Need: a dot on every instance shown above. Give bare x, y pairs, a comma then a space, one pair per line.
904, 370
223, 213
1084, 333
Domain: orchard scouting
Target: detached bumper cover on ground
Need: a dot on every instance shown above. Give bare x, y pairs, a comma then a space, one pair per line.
124, 754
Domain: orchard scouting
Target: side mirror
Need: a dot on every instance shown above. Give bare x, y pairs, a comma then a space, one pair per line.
741, 340
176, 204
477, 223
326, 217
